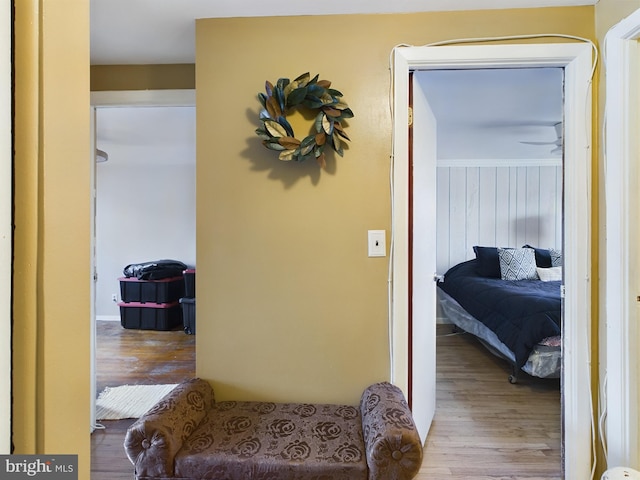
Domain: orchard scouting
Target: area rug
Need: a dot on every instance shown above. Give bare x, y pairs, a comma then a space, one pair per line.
129, 401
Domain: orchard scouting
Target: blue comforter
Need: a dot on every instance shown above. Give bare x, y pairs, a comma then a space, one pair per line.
521, 313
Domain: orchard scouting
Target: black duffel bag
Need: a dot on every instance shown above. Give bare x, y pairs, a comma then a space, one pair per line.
155, 270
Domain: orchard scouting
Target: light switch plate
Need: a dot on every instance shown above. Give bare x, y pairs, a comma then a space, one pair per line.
377, 243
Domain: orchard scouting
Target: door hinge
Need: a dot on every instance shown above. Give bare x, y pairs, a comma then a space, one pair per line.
410, 116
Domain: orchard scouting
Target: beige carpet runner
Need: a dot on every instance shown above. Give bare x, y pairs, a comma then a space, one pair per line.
129, 401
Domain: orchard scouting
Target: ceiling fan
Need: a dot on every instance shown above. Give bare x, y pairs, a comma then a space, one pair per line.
557, 142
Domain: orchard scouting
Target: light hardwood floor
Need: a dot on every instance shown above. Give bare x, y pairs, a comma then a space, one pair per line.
485, 428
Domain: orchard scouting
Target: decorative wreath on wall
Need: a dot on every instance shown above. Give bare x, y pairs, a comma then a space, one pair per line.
276, 132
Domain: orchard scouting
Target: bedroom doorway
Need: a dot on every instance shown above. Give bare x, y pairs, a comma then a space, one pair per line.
575, 59
495, 186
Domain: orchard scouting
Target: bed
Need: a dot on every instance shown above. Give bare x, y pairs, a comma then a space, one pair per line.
510, 299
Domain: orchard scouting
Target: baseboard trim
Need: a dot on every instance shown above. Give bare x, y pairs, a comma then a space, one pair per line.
108, 318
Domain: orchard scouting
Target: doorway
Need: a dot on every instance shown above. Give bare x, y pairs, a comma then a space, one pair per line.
494, 186
576, 61
144, 189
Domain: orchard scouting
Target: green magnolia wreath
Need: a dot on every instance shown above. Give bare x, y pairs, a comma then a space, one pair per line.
276, 132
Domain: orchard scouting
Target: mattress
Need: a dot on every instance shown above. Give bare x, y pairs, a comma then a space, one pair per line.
521, 313
544, 361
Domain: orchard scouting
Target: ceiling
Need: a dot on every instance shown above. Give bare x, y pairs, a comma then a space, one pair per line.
140, 136
480, 114
163, 31
489, 113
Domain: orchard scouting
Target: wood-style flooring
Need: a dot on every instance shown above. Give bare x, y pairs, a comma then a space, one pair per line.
133, 357
484, 429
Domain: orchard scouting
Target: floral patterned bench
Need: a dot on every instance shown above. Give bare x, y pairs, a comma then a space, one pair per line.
187, 435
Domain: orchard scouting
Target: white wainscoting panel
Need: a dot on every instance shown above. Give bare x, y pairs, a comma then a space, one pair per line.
502, 206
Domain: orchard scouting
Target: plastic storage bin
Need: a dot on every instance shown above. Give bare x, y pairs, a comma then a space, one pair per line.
150, 316
189, 283
189, 315
165, 290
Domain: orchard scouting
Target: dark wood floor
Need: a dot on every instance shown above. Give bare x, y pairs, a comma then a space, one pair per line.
133, 357
485, 428
142, 357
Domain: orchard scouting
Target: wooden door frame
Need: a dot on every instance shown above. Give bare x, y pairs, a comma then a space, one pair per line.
576, 59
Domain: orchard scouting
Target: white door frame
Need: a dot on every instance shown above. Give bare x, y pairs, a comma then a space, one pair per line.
622, 197
576, 60
6, 230
122, 98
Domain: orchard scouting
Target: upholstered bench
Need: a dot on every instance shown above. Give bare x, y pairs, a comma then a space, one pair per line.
188, 435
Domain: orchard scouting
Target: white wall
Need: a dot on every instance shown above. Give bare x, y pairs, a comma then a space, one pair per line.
495, 185
145, 193
497, 205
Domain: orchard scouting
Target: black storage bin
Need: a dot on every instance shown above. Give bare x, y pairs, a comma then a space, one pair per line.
150, 316
166, 290
189, 315
189, 283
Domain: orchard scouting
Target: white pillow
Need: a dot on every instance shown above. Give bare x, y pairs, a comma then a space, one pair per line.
517, 264
550, 274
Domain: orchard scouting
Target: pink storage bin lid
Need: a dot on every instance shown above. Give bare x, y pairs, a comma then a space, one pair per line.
135, 279
148, 304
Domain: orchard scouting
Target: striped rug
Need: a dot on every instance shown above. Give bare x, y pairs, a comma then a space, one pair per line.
129, 401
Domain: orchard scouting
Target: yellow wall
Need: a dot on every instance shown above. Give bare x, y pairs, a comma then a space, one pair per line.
142, 77
51, 266
610, 12
289, 305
